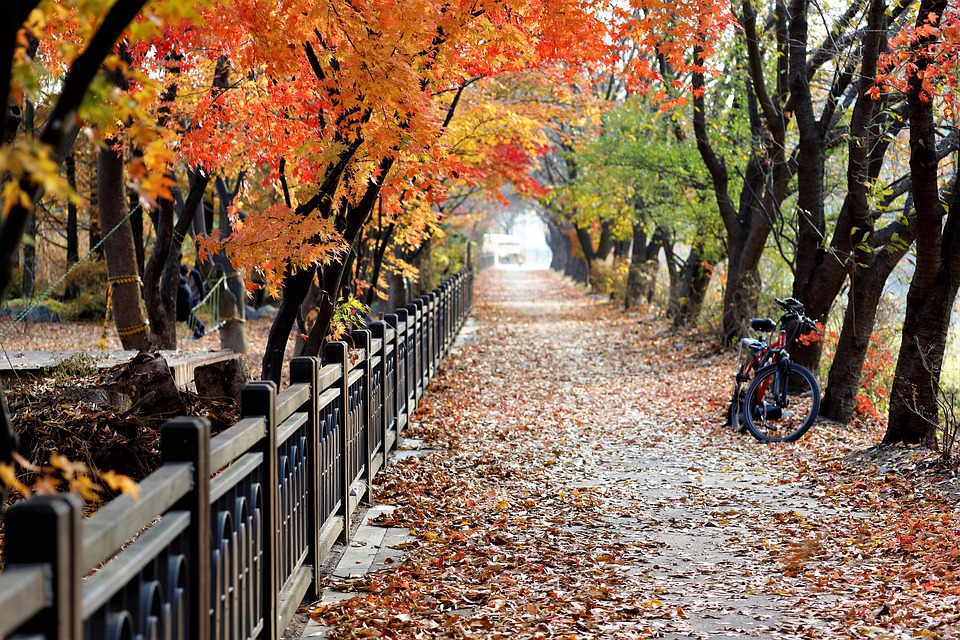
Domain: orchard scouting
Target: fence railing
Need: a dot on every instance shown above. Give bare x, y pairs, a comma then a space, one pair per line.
228, 532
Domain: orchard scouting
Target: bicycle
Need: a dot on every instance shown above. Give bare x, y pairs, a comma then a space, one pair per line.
774, 398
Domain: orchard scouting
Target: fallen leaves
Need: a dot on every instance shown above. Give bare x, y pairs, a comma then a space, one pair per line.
580, 487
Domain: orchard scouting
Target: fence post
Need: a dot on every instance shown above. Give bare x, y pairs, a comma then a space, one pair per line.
46, 530
188, 440
399, 377
423, 302
306, 370
336, 353
460, 294
413, 324
259, 399
379, 332
431, 302
362, 339
445, 302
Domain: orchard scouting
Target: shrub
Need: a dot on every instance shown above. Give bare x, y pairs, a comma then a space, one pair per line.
610, 280
85, 291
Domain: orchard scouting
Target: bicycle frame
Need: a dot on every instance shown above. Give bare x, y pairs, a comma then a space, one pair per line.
762, 354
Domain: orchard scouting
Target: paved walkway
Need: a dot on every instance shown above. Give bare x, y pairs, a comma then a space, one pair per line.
579, 419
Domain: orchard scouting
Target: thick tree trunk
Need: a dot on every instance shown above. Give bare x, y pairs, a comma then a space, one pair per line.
118, 248
560, 247
380, 251
295, 287
819, 273
843, 381
29, 280
747, 231
673, 274
161, 309
740, 299
693, 289
73, 232
136, 226
72, 226
235, 279
933, 290
913, 399
11, 123
635, 276
94, 234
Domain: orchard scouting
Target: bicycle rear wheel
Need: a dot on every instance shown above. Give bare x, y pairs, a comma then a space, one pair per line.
781, 402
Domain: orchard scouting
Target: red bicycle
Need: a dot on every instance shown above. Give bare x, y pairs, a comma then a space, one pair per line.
774, 398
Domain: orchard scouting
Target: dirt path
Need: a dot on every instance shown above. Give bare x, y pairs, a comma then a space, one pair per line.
583, 489
662, 490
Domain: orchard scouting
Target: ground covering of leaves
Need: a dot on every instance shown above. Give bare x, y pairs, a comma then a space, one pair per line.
582, 487
86, 335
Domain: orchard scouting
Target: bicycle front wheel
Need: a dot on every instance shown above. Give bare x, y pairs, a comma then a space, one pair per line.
781, 402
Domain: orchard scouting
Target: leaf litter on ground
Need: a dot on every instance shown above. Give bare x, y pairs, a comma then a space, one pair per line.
581, 487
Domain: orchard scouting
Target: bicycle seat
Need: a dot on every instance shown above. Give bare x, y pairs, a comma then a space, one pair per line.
763, 324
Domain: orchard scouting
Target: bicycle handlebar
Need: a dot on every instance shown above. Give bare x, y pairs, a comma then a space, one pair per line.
795, 307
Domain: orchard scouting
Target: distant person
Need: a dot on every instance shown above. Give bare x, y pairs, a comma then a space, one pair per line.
195, 283
189, 294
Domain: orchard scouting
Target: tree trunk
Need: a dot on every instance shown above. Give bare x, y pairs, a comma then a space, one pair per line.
73, 234
748, 229
866, 289
635, 276
379, 252
295, 287
819, 272
136, 226
94, 234
673, 274
693, 288
161, 309
560, 246
933, 290
29, 280
235, 280
11, 124
118, 248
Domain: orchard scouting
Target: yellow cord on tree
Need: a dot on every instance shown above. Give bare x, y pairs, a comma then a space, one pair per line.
135, 329
125, 280
106, 317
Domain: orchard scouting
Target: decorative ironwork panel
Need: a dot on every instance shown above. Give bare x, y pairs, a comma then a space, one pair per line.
355, 446
294, 498
389, 413
401, 373
237, 563
331, 477
151, 604
411, 366
375, 426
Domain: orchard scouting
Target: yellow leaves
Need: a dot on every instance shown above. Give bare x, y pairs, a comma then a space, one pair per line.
13, 195
63, 472
8, 478
27, 161
121, 483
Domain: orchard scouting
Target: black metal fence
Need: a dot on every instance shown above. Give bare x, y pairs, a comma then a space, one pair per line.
228, 533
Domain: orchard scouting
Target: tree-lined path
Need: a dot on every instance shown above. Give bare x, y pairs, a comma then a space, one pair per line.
582, 488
